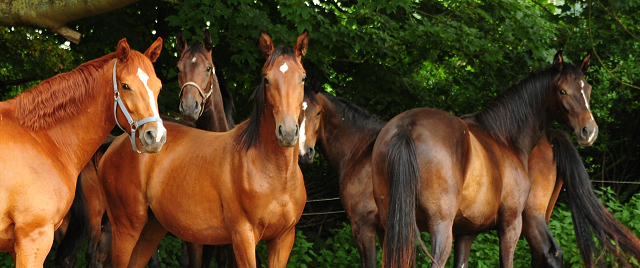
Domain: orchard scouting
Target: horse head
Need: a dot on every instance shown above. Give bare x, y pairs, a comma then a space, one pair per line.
570, 99
283, 81
136, 88
197, 76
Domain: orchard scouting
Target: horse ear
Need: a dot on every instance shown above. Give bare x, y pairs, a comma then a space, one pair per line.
181, 42
206, 41
558, 61
300, 48
122, 51
153, 52
266, 45
586, 61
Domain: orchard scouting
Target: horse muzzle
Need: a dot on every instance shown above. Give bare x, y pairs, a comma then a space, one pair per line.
305, 155
587, 134
152, 138
190, 109
287, 132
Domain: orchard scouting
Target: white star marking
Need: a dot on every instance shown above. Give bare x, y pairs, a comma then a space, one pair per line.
284, 67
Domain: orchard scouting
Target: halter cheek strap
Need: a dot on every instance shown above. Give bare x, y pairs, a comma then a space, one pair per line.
202, 94
134, 124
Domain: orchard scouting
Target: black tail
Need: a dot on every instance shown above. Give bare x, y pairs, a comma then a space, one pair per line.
588, 214
227, 98
68, 248
402, 168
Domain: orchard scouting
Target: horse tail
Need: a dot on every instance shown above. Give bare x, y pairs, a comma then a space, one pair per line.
588, 214
68, 248
227, 98
402, 171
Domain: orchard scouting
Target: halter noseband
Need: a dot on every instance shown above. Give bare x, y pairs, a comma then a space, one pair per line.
202, 94
134, 124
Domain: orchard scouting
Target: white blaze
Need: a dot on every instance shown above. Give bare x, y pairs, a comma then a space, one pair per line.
145, 78
302, 137
284, 67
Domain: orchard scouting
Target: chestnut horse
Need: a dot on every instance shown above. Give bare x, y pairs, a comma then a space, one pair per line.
435, 172
51, 131
243, 186
214, 113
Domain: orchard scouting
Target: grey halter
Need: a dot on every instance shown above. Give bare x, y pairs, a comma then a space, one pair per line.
202, 94
134, 125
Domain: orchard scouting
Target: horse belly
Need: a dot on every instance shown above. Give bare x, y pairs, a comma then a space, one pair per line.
202, 223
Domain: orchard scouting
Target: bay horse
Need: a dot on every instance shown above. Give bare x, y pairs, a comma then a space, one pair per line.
50, 132
345, 134
236, 187
439, 173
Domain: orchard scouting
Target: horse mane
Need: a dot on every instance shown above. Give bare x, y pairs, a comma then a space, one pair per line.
227, 98
512, 112
59, 97
355, 116
250, 135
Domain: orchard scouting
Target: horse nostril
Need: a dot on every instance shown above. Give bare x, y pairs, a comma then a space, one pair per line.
297, 130
585, 132
150, 136
196, 106
280, 131
310, 151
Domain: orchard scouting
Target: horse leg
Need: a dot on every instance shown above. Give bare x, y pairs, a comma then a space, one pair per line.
545, 252
126, 230
364, 233
244, 246
441, 241
279, 248
32, 245
509, 233
103, 246
462, 248
207, 255
195, 254
150, 238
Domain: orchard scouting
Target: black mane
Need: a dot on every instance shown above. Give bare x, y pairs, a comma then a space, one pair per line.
354, 115
513, 111
251, 134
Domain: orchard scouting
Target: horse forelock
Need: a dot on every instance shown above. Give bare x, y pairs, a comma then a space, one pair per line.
513, 111
62, 96
278, 52
194, 49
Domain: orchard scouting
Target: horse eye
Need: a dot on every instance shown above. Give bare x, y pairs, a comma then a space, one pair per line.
209, 69
125, 86
562, 92
177, 69
266, 81
304, 78
319, 113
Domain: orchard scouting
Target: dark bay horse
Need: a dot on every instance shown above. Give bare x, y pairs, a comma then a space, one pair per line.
236, 187
51, 131
439, 173
345, 134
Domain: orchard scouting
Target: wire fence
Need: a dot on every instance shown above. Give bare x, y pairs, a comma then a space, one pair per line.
342, 211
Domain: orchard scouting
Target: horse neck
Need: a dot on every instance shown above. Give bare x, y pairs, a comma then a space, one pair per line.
79, 136
213, 117
342, 140
517, 127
